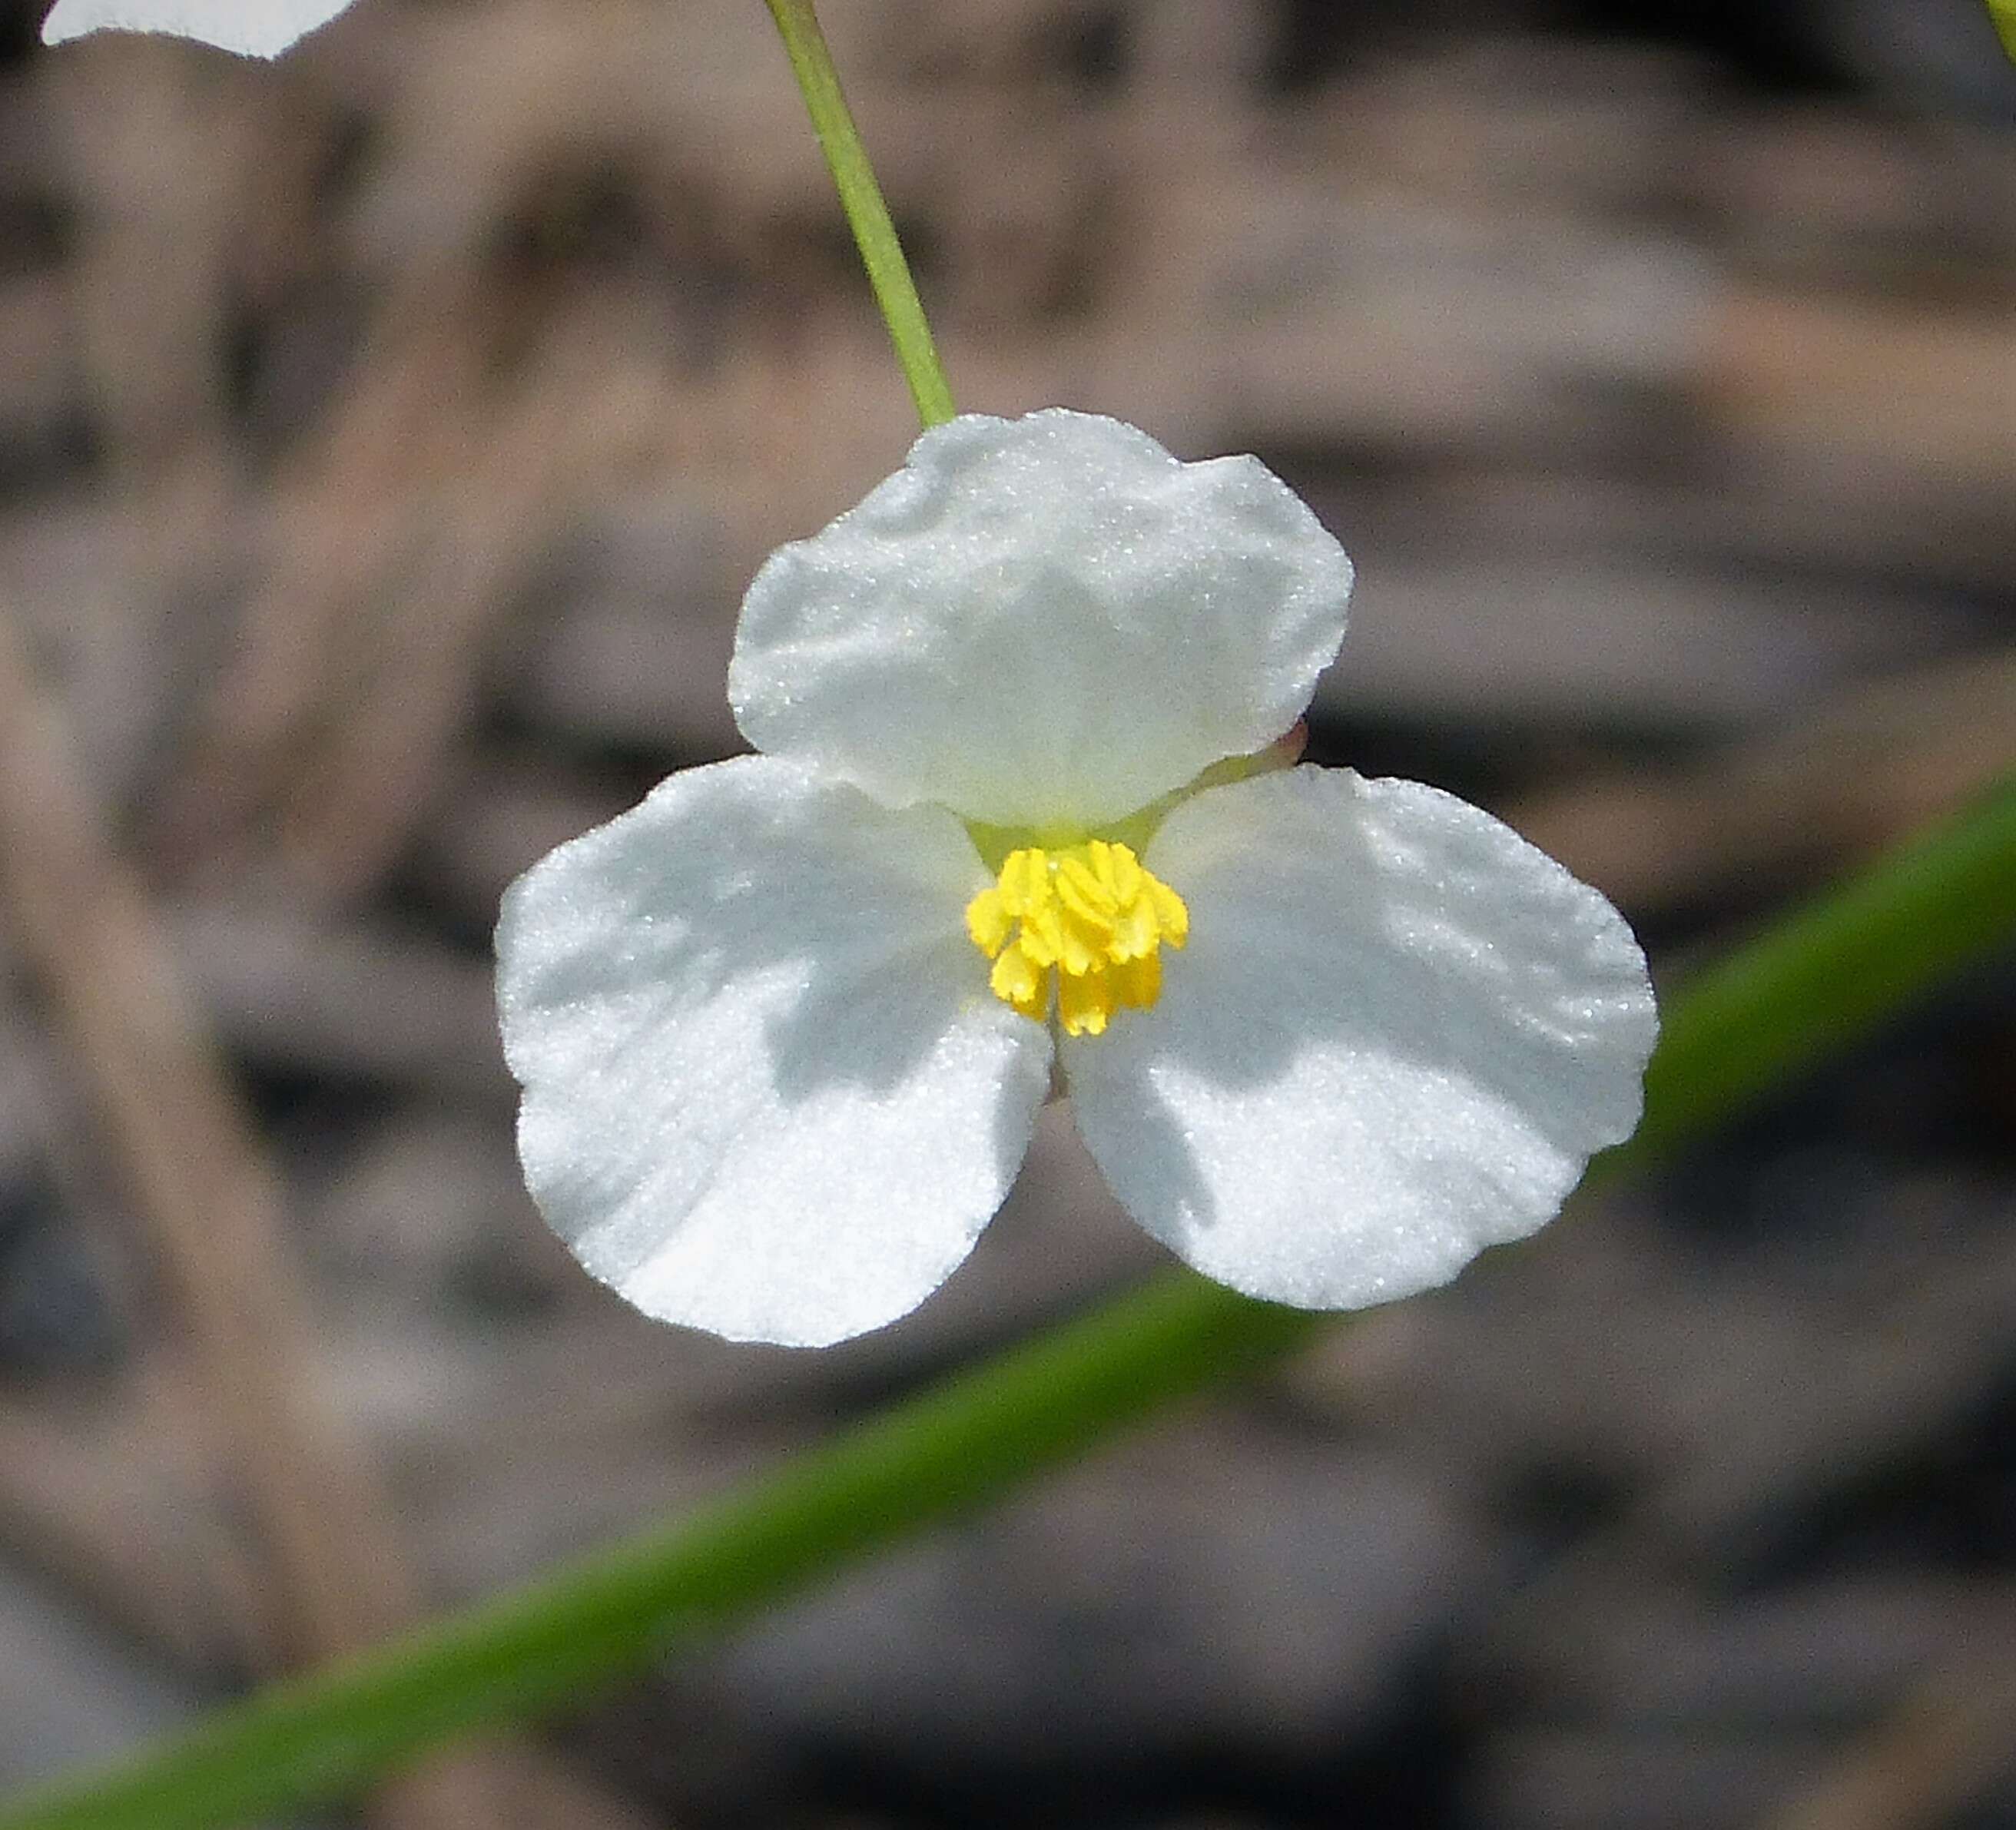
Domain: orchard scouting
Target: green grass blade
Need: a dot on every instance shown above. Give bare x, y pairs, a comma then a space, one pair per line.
1803, 989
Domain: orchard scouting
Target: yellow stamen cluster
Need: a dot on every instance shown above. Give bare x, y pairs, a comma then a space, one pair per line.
1091, 912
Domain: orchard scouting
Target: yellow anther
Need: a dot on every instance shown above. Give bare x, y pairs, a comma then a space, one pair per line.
1084, 1002
988, 921
1025, 880
1078, 888
1139, 982
1092, 915
1016, 980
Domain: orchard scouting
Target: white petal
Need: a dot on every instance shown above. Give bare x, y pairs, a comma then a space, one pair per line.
1044, 621
1397, 1034
767, 1090
254, 28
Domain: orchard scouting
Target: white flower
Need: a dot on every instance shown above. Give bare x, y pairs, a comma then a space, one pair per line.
784, 1028
252, 28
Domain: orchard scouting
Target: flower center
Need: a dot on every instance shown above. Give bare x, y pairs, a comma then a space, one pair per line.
1090, 914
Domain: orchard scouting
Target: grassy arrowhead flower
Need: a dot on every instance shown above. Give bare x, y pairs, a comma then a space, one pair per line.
784, 1028
252, 28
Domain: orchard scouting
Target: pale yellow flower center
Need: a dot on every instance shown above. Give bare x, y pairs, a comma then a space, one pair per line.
1090, 914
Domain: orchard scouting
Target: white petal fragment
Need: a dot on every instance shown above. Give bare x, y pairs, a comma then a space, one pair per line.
252, 28
767, 1090
1398, 1034
1041, 622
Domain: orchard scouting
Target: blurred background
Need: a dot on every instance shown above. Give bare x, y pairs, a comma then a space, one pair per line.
385, 437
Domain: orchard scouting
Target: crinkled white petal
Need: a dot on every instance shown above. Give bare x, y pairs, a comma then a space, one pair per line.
1042, 622
252, 28
1397, 1034
767, 1090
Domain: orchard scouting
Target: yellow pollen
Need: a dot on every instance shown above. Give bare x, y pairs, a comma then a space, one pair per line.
1091, 915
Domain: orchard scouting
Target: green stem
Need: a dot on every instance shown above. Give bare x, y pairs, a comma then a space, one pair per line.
867, 215
1830, 972
1807, 987
2003, 14
545, 1645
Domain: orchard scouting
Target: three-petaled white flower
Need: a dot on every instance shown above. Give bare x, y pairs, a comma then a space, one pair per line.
784, 1029
252, 28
